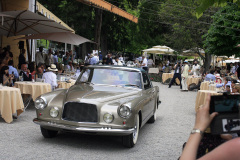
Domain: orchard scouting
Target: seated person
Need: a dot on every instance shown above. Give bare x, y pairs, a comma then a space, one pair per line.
60, 68
70, 67
32, 68
236, 89
210, 76
51, 77
39, 72
12, 69
233, 82
5, 78
25, 73
77, 73
226, 81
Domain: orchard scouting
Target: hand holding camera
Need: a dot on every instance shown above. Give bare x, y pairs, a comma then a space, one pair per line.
203, 118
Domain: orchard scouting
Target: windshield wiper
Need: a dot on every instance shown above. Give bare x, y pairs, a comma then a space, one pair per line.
132, 85
88, 83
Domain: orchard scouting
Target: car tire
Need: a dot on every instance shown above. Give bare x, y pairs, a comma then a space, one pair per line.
48, 133
130, 140
154, 116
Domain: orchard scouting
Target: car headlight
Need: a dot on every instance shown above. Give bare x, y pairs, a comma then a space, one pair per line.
40, 103
124, 111
108, 118
54, 112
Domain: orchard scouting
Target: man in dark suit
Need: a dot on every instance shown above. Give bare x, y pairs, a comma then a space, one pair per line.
177, 74
21, 58
238, 71
25, 73
109, 60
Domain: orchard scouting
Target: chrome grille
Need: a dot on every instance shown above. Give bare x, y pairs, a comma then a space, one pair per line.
80, 112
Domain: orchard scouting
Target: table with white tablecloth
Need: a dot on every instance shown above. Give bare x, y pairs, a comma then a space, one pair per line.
201, 97
166, 76
65, 85
33, 88
191, 80
10, 103
205, 85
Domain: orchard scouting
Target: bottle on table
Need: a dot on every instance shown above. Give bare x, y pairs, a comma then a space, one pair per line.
21, 79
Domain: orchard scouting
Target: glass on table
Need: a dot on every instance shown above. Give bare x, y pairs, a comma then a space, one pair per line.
1, 86
20, 78
33, 78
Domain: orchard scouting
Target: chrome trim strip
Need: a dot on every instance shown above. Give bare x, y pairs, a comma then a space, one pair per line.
115, 67
84, 129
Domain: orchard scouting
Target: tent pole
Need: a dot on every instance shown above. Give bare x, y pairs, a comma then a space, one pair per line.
65, 48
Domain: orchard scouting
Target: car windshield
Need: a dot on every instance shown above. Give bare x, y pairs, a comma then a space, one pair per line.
111, 77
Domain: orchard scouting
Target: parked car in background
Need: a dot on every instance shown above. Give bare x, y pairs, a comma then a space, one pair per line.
109, 100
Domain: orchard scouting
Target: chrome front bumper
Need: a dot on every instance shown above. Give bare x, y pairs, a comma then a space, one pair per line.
100, 130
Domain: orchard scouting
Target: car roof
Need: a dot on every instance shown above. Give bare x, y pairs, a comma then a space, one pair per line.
116, 67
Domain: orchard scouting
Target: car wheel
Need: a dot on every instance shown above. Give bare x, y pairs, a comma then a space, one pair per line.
130, 140
154, 116
48, 133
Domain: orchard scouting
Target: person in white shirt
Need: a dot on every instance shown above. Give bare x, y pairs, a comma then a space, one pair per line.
195, 68
144, 63
94, 60
121, 58
150, 63
49, 58
50, 77
233, 69
114, 61
185, 76
168, 63
140, 59
119, 63
39, 57
70, 67
55, 57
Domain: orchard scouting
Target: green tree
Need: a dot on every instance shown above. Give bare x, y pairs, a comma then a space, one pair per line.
205, 4
223, 35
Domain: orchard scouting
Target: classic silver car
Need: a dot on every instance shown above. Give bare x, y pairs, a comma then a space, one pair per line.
109, 100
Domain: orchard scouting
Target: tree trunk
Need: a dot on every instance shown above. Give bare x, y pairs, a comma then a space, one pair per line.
98, 26
104, 44
207, 61
28, 51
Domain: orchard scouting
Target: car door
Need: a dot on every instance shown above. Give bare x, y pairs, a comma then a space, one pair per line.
148, 94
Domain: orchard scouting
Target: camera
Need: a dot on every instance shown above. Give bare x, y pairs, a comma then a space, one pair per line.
228, 118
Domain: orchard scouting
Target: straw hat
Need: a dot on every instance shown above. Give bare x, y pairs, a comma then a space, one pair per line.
53, 68
218, 76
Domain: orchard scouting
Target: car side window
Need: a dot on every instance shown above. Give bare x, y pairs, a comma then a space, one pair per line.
146, 81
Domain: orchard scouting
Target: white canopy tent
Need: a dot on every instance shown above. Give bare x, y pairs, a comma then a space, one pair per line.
26, 22
64, 37
159, 50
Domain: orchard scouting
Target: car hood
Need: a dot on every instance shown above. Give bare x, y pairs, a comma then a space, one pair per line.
98, 93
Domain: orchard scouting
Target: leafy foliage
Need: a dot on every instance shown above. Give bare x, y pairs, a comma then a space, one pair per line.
205, 4
159, 24
223, 35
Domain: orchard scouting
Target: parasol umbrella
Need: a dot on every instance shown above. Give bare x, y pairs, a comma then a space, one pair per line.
163, 50
2, 17
64, 37
26, 22
159, 50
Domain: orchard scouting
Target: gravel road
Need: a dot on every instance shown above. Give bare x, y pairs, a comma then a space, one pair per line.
162, 140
